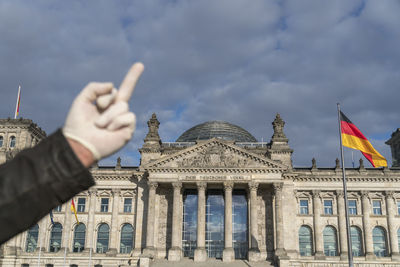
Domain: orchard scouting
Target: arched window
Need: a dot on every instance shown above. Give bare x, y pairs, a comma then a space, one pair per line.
356, 241
305, 241
330, 241
1, 141
12, 141
380, 243
102, 238
79, 238
126, 238
55, 238
32, 238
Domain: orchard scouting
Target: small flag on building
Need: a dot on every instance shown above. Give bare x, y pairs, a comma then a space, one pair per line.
353, 138
18, 102
52, 218
73, 209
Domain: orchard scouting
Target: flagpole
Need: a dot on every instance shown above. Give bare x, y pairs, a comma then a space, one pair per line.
349, 250
40, 248
17, 104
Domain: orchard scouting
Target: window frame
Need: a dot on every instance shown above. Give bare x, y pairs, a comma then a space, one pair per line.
1, 141
12, 141
80, 249
79, 205
304, 210
104, 207
305, 251
128, 207
376, 209
328, 208
351, 209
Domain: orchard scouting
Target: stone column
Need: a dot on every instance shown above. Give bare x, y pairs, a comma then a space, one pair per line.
150, 250
369, 250
390, 206
280, 248
319, 244
342, 224
228, 253
175, 252
89, 244
200, 252
66, 231
254, 252
139, 216
114, 223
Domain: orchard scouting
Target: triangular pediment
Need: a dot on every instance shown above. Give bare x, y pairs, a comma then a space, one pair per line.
214, 153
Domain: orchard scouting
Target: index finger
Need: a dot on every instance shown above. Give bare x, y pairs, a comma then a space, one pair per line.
128, 84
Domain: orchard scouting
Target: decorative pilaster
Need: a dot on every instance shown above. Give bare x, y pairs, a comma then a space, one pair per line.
342, 224
114, 222
228, 253
369, 250
150, 249
390, 205
175, 252
319, 245
254, 252
280, 248
139, 218
66, 227
200, 252
91, 212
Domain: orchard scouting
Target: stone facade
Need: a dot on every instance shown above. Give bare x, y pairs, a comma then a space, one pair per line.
293, 216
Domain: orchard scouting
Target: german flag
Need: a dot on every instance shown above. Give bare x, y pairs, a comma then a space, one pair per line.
353, 138
73, 209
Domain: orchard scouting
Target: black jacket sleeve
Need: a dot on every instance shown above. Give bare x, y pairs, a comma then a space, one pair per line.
37, 180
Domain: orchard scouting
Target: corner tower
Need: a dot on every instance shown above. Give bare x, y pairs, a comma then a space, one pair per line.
16, 135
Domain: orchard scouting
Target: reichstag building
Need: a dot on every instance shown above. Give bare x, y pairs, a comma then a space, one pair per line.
216, 192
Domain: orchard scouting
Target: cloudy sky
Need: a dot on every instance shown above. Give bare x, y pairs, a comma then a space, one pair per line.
239, 61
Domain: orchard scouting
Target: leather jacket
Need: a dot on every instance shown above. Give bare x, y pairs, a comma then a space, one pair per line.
37, 180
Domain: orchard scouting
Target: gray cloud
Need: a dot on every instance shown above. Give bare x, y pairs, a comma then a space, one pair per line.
237, 61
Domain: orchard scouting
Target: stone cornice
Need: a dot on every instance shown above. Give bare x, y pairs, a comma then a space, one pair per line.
213, 170
335, 178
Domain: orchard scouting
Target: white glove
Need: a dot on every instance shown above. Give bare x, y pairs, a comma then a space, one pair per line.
99, 117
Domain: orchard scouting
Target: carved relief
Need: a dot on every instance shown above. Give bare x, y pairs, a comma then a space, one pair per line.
215, 156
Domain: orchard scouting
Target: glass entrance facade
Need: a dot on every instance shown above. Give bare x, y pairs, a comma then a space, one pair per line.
215, 223
189, 231
239, 229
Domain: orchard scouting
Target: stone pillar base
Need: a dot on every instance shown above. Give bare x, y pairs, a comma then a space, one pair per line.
281, 254
144, 262
228, 255
395, 256
370, 256
200, 254
112, 252
344, 255
174, 254
319, 255
136, 252
149, 252
254, 255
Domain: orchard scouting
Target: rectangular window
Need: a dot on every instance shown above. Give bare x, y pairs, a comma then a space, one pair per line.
81, 204
398, 207
24, 265
353, 207
57, 209
328, 207
104, 205
376, 207
128, 205
303, 206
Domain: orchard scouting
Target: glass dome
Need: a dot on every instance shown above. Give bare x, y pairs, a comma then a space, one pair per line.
218, 129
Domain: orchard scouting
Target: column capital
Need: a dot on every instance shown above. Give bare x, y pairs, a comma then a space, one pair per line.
177, 185
201, 185
316, 193
253, 186
92, 191
277, 187
152, 185
340, 193
389, 194
228, 186
116, 191
364, 194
